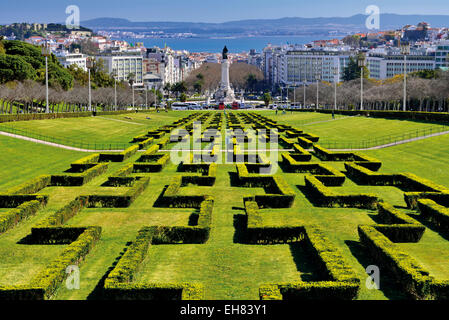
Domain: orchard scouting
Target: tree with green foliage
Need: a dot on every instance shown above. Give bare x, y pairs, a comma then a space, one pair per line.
426, 74
15, 68
20, 52
183, 97
353, 71
251, 82
267, 98
179, 87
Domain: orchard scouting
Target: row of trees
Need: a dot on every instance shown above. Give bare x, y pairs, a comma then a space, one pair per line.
424, 93
29, 97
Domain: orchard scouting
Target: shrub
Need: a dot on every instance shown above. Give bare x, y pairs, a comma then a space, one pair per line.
9, 219
305, 143
409, 274
119, 157
435, 213
61, 216
85, 163
390, 215
119, 201
411, 198
50, 278
79, 179
324, 197
15, 200
31, 186
341, 281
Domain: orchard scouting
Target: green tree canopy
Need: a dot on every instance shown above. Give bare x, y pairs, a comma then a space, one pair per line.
267, 98
15, 68
353, 71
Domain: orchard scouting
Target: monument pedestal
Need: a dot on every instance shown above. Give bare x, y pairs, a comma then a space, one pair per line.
225, 94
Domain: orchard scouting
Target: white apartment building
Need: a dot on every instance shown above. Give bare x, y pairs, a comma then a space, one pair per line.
293, 67
67, 59
124, 64
383, 66
441, 54
308, 66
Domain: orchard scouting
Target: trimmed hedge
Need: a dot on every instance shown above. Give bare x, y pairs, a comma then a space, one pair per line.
435, 214
363, 176
340, 281
411, 198
79, 179
64, 214
51, 277
390, 215
31, 186
305, 143
325, 197
155, 291
118, 285
414, 279
119, 201
151, 163
15, 200
257, 233
119, 157
9, 219
85, 163
402, 233
326, 155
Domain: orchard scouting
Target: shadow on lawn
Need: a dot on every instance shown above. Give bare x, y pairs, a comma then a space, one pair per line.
388, 283
240, 226
304, 262
97, 293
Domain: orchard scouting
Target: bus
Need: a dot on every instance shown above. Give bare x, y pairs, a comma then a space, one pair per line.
179, 106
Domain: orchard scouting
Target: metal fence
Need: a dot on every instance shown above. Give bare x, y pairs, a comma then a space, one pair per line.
383, 140
89, 145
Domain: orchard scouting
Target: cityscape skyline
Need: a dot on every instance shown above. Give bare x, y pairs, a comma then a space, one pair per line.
196, 10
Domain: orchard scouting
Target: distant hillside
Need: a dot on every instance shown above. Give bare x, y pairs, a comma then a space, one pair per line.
284, 26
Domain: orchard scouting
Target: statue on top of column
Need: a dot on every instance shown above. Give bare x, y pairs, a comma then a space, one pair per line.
225, 53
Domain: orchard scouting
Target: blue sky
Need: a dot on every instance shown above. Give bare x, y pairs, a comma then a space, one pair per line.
207, 10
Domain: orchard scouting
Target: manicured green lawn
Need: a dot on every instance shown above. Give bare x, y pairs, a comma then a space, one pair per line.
24, 160
343, 131
227, 268
102, 130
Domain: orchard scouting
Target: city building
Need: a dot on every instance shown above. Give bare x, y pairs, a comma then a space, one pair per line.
441, 54
67, 59
124, 64
384, 66
292, 67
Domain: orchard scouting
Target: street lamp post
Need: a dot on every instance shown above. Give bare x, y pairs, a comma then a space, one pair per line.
46, 53
146, 97
304, 94
89, 65
405, 50
318, 78
131, 82
362, 65
336, 79
115, 90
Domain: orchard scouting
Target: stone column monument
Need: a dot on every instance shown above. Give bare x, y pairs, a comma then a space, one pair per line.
225, 94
